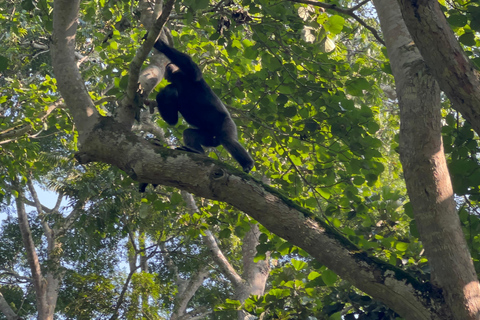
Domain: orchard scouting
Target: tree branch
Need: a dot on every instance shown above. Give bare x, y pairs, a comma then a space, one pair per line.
7, 310
439, 47
46, 228
69, 79
227, 269
212, 179
346, 11
32, 258
129, 106
191, 288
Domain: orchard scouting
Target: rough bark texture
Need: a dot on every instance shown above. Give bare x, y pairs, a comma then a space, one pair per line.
72, 87
444, 56
255, 274
425, 169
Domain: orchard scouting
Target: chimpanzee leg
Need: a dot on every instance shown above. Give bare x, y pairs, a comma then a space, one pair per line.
195, 138
228, 138
167, 103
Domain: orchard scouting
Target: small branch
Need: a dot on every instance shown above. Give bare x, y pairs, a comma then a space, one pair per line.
137, 62
18, 131
227, 269
122, 294
8, 272
69, 219
41, 215
345, 11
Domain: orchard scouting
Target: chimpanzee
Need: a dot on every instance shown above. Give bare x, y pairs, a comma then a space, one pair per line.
189, 94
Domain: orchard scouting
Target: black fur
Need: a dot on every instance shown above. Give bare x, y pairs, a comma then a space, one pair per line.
189, 94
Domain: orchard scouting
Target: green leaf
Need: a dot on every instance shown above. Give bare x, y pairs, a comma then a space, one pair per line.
456, 19
298, 265
28, 5
401, 246
3, 63
467, 39
312, 275
356, 86
335, 24
113, 45
329, 277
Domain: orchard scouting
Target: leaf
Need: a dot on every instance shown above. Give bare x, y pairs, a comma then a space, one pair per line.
456, 19
304, 12
335, 24
328, 45
298, 265
356, 86
401, 246
312, 275
467, 39
3, 63
113, 45
329, 277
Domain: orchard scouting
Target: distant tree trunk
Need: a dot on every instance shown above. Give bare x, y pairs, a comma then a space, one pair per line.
426, 174
46, 286
255, 274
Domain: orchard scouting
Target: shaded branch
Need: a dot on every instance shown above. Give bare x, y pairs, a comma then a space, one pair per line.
227, 269
129, 105
346, 11
7, 310
20, 130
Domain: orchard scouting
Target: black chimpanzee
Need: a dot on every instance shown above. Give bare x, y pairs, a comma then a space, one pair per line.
189, 94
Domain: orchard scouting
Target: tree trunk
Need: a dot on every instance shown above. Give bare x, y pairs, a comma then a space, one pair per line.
425, 169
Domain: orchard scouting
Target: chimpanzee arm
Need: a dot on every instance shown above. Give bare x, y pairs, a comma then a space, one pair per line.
167, 103
181, 60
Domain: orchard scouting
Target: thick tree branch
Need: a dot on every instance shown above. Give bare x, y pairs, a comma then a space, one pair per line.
189, 291
129, 106
69, 81
209, 178
446, 59
7, 310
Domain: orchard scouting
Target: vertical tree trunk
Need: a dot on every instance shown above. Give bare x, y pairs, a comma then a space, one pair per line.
425, 169
255, 274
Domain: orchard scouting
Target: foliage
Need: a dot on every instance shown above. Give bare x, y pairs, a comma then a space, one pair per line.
305, 88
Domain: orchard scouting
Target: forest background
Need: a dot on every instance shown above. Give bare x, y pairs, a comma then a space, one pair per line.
363, 120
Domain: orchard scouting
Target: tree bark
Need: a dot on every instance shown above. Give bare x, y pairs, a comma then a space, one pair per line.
444, 56
7, 310
425, 169
255, 274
